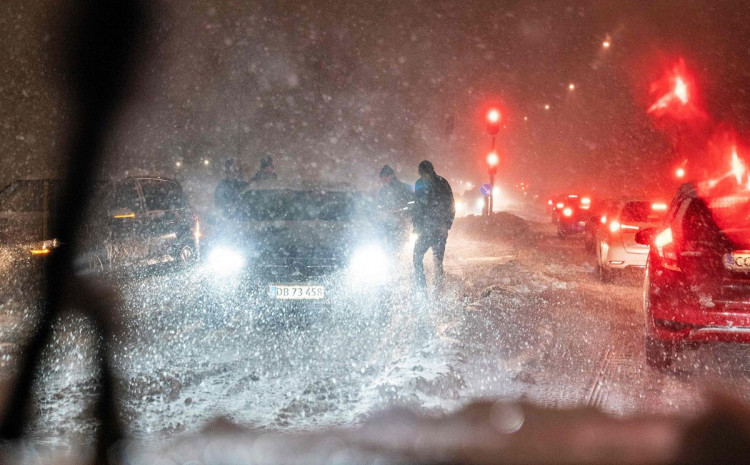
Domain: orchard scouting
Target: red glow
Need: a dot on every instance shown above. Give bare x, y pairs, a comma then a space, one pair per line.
492, 159
675, 93
664, 238
738, 168
727, 190
719, 160
493, 116
680, 90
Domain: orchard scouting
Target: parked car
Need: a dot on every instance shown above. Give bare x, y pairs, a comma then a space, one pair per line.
140, 221
25, 212
697, 281
616, 247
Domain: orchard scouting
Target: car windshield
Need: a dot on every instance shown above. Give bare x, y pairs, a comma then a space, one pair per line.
641, 212
162, 195
293, 205
24, 196
307, 216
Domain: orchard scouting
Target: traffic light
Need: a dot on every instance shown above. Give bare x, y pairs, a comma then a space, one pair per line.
493, 121
492, 161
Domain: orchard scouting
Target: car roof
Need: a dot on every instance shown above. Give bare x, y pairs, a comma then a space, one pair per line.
151, 178
273, 184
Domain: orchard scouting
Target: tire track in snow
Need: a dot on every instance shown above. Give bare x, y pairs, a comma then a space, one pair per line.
597, 391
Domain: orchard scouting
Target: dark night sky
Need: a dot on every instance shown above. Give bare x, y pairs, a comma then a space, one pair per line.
336, 89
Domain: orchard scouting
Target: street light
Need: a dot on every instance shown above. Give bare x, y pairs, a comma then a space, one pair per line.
572, 86
679, 172
546, 106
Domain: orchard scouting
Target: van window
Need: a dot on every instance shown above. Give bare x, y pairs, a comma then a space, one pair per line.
127, 196
640, 212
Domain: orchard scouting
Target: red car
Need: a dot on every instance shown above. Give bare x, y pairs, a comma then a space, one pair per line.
697, 281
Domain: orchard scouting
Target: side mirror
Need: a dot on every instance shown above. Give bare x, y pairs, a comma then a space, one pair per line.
121, 213
645, 236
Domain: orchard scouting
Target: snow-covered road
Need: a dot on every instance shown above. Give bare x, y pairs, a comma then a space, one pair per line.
522, 317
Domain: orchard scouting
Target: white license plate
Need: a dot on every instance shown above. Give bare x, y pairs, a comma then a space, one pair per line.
737, 261
292, 292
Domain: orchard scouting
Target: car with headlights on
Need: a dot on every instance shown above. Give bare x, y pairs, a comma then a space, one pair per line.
616, 247
697, 280
300, 244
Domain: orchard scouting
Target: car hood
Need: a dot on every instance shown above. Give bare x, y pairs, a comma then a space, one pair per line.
274, 241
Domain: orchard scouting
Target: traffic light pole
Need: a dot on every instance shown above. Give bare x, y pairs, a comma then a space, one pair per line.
493, 127
492, 182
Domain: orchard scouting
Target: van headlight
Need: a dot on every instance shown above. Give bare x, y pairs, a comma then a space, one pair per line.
225, 260
369, 265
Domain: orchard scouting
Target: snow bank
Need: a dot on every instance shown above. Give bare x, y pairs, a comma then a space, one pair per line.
501, 225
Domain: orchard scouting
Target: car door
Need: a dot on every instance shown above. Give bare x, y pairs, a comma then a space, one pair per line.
166, 215
128, 239
634, 216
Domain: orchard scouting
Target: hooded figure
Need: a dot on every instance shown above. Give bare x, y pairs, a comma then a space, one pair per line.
266, 171
434, 211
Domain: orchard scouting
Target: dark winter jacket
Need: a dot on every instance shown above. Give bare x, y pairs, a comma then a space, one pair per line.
395, 196
434, 209
227, 194
263, 176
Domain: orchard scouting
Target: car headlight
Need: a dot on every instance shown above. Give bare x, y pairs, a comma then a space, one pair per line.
225, 260
369, 265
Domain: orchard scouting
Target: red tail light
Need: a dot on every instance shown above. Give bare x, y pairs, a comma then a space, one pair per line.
662, 239
664, 243
568, 212
615, 226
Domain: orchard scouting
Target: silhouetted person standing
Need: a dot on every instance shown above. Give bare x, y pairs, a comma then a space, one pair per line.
394, 200
266, 171
228, 190
434, 212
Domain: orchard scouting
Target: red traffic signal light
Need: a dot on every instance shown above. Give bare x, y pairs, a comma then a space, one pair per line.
492, 161
493, 121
